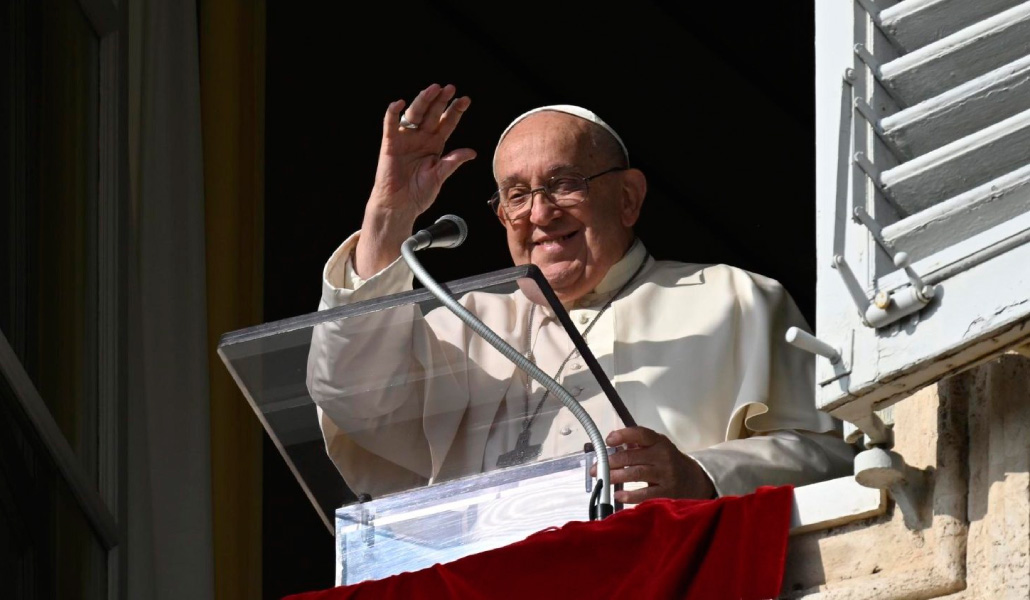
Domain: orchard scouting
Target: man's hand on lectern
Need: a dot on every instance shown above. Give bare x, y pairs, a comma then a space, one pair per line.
647, 456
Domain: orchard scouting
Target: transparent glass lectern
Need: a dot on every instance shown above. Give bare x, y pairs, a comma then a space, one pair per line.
415, 440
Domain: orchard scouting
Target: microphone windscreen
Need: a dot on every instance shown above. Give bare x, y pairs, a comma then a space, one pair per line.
463, 230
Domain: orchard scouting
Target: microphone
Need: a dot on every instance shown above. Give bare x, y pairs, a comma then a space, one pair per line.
449, 231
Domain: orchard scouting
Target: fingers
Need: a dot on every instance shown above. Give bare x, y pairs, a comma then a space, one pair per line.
435, 110
644, 465
639, 473
392, 117
453, 114
668, 472
638, 496
651, 455
641, 436
626, 458
431, 118
450, 163
416, 113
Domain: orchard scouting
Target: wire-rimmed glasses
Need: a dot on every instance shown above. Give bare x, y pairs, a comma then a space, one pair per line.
561, 190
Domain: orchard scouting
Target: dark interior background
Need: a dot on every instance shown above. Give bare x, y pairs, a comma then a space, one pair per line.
714, 100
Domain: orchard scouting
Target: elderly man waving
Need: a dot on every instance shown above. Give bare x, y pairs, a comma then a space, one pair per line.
696, 352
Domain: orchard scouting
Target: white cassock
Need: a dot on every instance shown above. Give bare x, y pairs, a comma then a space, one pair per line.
696, 352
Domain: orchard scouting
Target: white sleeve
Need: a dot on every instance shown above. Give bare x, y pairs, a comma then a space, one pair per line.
342, 285
350, 421
781, 439
370, 376
782, 457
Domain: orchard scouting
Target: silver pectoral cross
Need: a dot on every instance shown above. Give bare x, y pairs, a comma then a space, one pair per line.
522, 453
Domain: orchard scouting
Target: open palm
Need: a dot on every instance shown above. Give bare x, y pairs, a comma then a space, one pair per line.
412, 167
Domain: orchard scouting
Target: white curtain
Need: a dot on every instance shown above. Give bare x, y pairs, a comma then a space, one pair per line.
169, 497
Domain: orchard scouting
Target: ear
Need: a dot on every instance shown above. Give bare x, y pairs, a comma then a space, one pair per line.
634, 188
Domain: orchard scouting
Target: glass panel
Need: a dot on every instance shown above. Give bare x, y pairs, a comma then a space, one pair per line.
439, 524
398, 394
47, 547
50, 198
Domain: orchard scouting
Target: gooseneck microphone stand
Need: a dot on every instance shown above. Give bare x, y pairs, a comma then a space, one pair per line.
450, 231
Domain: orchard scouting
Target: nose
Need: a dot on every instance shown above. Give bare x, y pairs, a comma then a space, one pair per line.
543, 212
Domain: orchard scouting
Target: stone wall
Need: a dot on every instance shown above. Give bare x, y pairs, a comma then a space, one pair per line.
968, 535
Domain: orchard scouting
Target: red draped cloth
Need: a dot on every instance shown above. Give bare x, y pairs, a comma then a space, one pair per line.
732, 547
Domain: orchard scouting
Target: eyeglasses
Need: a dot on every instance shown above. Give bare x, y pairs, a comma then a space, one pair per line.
561, 190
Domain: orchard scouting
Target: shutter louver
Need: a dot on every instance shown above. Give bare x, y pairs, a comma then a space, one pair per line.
923, 193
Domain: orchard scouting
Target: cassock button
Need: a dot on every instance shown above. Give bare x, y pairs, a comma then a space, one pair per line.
575, 366
576, 391
584, 318
565, 430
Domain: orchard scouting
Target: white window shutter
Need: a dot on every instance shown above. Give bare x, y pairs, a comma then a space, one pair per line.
923, 194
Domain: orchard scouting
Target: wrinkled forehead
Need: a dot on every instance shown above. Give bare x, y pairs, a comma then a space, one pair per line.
553, 123
545, 144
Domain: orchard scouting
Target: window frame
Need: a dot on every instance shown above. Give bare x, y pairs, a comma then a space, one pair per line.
102, 504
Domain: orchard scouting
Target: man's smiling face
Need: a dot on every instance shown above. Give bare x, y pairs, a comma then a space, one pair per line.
575, 246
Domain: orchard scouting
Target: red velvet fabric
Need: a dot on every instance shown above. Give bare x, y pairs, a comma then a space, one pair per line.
732, 547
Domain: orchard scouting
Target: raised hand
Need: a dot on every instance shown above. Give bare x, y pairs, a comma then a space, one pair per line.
411, 170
